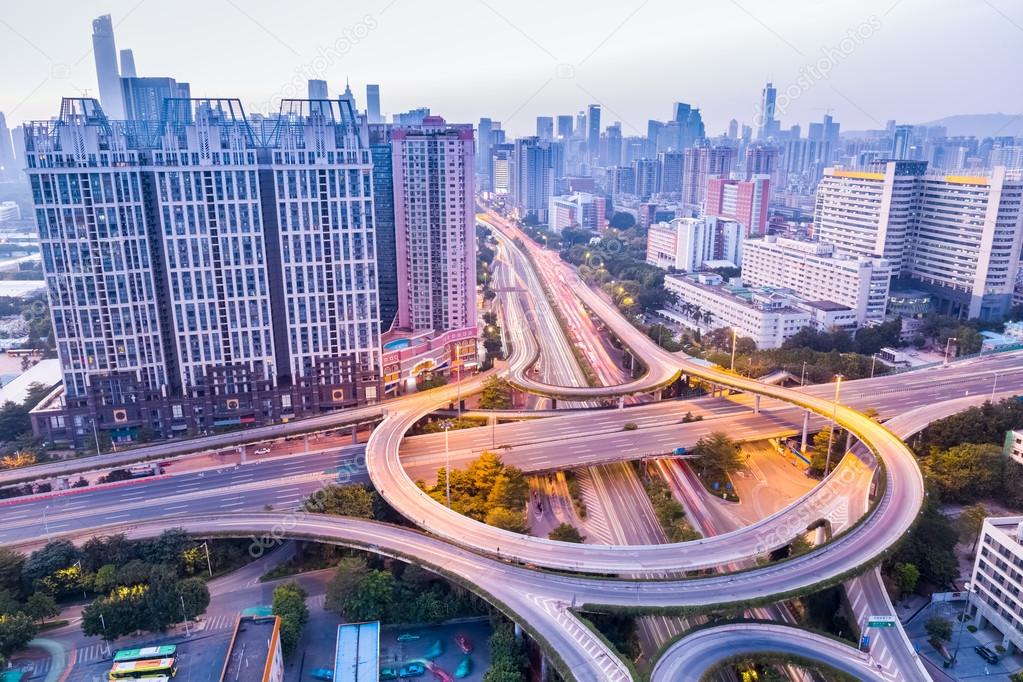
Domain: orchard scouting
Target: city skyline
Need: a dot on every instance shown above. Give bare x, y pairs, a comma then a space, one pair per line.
540, 68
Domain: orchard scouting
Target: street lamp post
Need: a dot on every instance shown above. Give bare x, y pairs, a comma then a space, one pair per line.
873, 363
802, 374
994, 384
831, 431
447, 462
46, 524
948, 345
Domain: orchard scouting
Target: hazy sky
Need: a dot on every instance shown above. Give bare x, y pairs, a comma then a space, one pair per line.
912, 60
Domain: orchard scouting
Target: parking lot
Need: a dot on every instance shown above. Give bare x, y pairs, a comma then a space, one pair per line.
969, 664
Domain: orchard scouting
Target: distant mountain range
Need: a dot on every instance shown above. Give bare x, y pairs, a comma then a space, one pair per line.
964, 125
981, 125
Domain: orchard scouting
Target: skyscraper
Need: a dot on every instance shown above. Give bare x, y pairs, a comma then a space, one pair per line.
613, 154
545, 127
532, 177
484, 158
900, 142
647, 175
565, 126
107, 74
144, 98
701, 164
383, 214
733, 129
318, 89
236, 284
435, 220
593, 132
373, 104
8, 164
128, 64
767, 126
671, 171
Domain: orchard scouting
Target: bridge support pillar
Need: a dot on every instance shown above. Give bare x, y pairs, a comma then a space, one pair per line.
756, 404
848, 441
806, 427
554, 403
544, 667
621, 402
355, 434
518, 632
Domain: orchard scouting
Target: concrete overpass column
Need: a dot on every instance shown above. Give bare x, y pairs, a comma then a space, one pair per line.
518, 632
756, 404
544, 667
355, 434
554, 403
621, 402
848, 441
806, 427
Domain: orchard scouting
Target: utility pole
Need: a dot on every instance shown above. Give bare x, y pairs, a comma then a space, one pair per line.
447, 461
831, 432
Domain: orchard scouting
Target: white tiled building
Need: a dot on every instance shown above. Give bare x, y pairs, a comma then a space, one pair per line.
997, 580
815, 273
686, 244
706, 303
1014, 445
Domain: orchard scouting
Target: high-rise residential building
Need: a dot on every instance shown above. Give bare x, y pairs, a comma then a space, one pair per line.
580, 209
593, 131
373, 104
412, 117
545, 127
815, 273
383, 214
317, 89
700, 164
144, 98
760, 160
672, 164
648, 177
767, 126
733, 129
745, 201
956, 236
686, 129
435, 220
128, 64
108, 76
8, 161
212, 273
484, 156
901, 141
612, 153
687, 244
621, 181
565, 127
501, 168
532, 177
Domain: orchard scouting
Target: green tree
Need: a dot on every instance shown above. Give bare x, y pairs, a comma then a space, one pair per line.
105, 579
566, 532
41, 606
14, 421
819, 458
343, 500
969, 524
166, 548
939, 628
289, 604
930, 545
11, 565
115, 615
717, 453
195, 596
510, 489
622, 221
496, 394
16, 631
346, 579
907, 576
508, 519
373, 598
53, 556
966, 472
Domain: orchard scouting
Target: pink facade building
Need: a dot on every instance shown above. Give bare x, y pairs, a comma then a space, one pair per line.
434, 225
744, 201
435, 244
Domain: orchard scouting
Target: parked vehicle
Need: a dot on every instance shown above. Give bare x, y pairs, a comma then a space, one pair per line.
986, 654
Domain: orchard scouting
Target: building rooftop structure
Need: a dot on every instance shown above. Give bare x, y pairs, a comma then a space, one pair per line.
357, 656
254, 654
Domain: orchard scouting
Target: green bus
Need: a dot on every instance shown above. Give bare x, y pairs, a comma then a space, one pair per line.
149, 669
125, 655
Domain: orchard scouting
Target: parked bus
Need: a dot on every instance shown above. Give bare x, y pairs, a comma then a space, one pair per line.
125, 655
146, 669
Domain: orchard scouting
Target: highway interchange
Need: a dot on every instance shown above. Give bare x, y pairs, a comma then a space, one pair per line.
225, 499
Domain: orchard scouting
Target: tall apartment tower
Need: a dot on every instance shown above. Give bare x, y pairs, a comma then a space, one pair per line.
128, 64
700, 165
317, 89
593, 131
373, 104
532, 177
565, 126
435, 221
545, 127
107, 74
212, 272
8, 162
767, 126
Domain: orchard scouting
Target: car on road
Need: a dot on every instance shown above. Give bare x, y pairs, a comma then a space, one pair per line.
326, 674
388, 673
464, 644
411, 670
679, 451
262, 451
986, 654
408, 637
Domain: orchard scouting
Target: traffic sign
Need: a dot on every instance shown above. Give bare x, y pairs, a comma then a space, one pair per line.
880, 621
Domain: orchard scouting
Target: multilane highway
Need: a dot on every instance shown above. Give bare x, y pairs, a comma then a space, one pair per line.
541, 599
